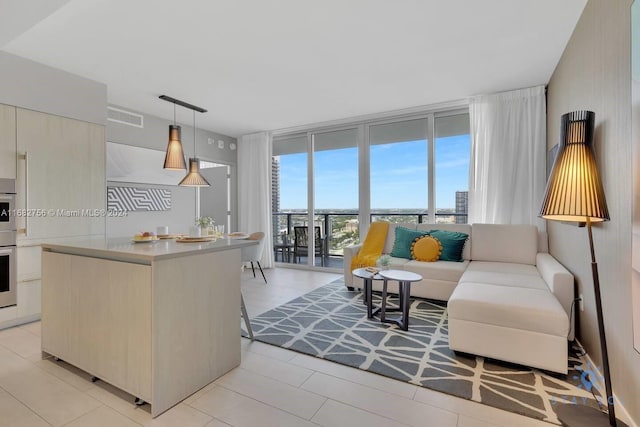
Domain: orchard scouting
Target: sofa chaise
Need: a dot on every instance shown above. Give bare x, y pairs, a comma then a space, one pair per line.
508, 298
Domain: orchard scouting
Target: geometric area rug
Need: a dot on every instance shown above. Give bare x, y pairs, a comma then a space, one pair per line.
330, 322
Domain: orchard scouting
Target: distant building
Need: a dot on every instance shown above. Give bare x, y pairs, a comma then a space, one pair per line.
351, 225
275, 195
462, 207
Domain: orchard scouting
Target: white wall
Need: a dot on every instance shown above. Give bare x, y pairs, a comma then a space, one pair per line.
37, 87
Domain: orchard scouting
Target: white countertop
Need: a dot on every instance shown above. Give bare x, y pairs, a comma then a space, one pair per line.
124, 249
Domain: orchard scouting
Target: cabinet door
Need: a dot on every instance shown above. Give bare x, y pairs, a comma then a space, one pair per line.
29, 299
7, 141
96, 315
63, 175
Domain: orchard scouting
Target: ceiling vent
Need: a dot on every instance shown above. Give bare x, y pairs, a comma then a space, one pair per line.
125, 117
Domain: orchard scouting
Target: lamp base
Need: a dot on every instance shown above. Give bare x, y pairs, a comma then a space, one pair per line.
580, 415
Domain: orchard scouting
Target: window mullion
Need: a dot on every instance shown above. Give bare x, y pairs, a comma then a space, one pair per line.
431, 162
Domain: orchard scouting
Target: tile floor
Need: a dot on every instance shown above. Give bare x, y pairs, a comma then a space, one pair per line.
272, 387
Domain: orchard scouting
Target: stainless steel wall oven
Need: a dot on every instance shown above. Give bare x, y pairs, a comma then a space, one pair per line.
7, 243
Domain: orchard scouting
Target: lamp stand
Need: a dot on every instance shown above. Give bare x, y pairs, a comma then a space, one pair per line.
582, 415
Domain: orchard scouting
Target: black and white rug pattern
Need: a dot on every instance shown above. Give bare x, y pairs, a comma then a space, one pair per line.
331, 323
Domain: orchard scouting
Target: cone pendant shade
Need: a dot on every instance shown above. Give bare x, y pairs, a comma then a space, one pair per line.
174, 158
193, 178
574, 190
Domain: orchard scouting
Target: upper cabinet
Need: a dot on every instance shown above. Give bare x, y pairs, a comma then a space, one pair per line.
61, 176
7, 141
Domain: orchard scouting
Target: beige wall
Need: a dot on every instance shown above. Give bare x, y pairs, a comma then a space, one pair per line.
594, 73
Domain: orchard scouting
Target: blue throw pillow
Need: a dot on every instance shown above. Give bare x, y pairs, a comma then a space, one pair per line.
403, 239
452, 244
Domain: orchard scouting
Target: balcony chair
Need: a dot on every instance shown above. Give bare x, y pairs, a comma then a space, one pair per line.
301, 244
254, 253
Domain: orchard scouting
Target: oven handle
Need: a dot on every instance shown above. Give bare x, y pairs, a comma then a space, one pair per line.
8, 251
23, 156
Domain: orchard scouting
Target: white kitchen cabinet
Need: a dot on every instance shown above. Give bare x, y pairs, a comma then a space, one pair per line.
29, 300
29, 273
61, 176
7, 141
28, 262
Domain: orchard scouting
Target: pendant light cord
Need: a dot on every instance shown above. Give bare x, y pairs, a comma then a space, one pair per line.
174, 113
194, 134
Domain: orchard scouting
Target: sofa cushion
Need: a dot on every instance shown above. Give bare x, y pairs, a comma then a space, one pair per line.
505, 279
518, 308
504, 243
452, 244
398, 263
426, 248
503, 267
402, 243
461, 228
391, 235
442, 270
505, 274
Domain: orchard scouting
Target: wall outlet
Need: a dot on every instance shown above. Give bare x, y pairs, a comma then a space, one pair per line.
581, 302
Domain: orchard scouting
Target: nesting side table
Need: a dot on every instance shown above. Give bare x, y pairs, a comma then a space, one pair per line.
404, 279
368, 279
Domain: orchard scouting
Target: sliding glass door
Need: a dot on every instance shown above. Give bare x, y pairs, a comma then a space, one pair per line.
289, 200
335, 191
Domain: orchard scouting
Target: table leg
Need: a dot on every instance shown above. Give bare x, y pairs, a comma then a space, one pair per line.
406, 303
383, 309
368, 284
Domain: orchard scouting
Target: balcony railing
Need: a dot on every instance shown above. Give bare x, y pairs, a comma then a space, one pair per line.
341, 229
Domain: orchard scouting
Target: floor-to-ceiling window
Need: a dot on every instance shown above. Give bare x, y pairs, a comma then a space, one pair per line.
399, 171
338, 179
451, 159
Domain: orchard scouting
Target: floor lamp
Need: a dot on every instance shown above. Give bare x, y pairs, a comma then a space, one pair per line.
574, 193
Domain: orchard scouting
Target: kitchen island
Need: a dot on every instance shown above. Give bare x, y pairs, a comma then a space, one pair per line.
159, 320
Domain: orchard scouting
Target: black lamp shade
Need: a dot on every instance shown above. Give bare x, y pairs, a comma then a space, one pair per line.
193, 178
174, 158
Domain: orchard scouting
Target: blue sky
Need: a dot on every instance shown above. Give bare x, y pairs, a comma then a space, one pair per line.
398, 176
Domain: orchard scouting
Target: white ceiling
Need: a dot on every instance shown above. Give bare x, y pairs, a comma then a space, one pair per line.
264, 65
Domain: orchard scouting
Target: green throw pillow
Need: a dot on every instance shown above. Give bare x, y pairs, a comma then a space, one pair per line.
402, 243
452, 244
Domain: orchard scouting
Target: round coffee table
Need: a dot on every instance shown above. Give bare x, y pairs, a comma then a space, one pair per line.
368, 279
404, 279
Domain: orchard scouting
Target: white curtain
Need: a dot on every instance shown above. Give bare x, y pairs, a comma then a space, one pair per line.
508, 157
254, 189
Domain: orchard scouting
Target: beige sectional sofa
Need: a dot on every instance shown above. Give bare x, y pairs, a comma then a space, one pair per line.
509, 299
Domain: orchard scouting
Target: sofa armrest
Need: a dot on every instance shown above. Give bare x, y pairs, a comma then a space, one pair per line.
348, 254
560, 281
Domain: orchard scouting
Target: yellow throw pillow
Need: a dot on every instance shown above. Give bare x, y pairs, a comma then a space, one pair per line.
426, 248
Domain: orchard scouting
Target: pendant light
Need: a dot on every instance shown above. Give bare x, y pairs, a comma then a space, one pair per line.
193, 178
174, 158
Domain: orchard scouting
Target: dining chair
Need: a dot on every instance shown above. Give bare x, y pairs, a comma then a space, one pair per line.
301, 243
253, 253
